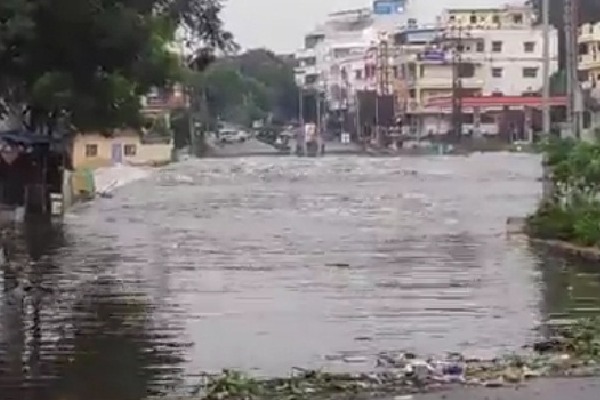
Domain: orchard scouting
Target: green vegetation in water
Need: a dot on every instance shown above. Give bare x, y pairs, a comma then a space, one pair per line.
572, 213
574, 351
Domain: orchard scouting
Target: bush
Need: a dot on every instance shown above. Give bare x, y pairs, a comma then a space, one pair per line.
573, 214
551, 221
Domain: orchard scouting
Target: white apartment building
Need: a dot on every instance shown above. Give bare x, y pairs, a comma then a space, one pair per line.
500, 51
333, 52
336, 58
589, 56
589, 71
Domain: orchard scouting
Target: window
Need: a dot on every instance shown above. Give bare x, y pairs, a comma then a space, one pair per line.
518, 18
468, 118
530, 72
91, 150
496, 72
466, 70
311, 79
496, 46
341, 52
528, 47
496, 19
130, 150
473, 19
480, 47
586, 119
487, 118
358, 74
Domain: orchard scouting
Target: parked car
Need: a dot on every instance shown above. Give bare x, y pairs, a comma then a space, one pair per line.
232, 136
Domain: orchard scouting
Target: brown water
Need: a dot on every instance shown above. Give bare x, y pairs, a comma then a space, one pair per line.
268, 263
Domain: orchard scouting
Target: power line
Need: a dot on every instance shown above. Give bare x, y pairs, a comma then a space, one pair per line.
457, 92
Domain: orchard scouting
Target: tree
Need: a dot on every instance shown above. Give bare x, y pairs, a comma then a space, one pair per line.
89, 61
250, 86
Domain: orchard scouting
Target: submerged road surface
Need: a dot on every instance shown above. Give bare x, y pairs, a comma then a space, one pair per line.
264, 264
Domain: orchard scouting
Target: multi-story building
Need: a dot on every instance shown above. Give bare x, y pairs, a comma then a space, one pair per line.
589, 71
589, 56
339, 56
490, 57
475, 54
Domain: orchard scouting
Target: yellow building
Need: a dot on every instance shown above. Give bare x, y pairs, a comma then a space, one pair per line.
94, 150
589, 54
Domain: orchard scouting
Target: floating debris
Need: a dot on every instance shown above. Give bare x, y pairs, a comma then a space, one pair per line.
575, 351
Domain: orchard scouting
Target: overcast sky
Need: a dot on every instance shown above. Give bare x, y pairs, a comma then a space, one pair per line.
281, 24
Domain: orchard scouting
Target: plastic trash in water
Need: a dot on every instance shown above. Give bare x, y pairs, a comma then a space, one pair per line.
452, 369
418, 369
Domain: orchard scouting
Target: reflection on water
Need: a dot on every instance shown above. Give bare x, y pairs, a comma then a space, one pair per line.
264, 264
86, 339
571, 287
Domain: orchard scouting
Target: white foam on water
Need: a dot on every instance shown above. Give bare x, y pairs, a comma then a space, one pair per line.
110, 178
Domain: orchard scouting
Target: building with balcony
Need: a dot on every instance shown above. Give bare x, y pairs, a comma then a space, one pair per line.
483, 53
589, 55
421, 52
338, 56
589, 74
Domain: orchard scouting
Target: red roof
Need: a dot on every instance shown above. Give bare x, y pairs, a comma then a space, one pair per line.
490, 101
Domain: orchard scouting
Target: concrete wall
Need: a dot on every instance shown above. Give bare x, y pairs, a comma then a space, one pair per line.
145, 154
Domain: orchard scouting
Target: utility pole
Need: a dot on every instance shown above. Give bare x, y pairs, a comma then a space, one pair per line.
546, 68
577, 92
457, 87
546, 121
383, 78
300, 106
318, 106
574, 106
359, 131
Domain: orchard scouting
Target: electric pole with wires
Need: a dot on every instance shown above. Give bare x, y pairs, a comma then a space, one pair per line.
457, 92
573, 90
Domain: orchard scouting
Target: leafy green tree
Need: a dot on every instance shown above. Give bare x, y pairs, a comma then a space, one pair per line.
89, 61
254, 85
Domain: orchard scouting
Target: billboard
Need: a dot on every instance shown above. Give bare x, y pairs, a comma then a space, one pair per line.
433, 55
388, 7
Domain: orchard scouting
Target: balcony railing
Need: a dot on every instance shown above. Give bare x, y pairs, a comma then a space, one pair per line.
589, 61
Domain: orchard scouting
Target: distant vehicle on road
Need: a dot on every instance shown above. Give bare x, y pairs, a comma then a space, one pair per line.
232, 136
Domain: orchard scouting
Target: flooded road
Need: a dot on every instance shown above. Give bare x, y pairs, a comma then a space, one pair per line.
268, 263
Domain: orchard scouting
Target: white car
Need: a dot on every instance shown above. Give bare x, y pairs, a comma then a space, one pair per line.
232, 136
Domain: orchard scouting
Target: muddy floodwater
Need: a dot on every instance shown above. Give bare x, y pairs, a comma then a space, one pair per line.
264, 264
